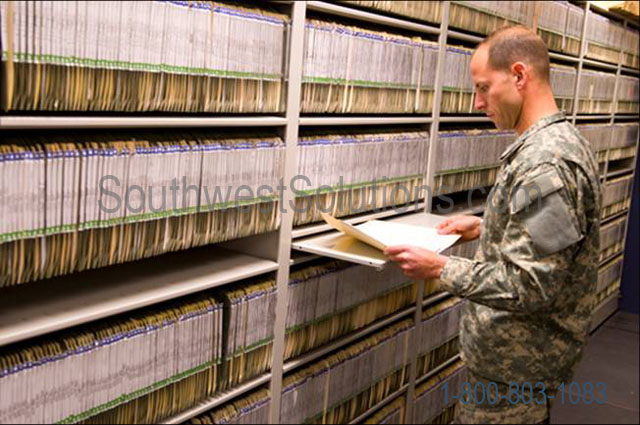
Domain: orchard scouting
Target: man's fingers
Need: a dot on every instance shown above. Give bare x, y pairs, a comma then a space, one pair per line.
395, 250
399, 258
448, 229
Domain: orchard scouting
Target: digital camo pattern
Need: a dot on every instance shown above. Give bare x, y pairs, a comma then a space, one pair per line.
531, 285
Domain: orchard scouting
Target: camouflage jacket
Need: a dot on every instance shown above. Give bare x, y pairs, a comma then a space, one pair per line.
531, 285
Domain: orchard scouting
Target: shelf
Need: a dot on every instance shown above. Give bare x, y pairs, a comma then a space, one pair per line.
463, 119
464, 37
218, 400
66, 122
321, 227
298, 257
305, 359
437, 369
609, 258
603, 311
380, 405
435, 299
593, 117
35, 309
348, 12
477, 206
376, 120
565, 58
629, 70
618, 173
600, 64
612, 14
613, 217
626, 116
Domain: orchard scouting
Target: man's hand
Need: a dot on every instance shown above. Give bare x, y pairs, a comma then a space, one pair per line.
417, 263
467, 226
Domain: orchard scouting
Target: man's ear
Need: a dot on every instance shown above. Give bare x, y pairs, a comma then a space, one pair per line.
520, 73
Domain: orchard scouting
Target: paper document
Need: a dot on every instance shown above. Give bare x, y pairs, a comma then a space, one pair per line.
382, 234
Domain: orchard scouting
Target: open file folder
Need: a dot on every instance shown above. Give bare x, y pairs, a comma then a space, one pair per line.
349, 245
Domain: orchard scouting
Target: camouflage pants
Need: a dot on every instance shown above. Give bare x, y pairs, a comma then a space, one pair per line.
474, 411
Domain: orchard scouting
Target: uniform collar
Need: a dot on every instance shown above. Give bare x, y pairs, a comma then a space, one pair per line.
537, 126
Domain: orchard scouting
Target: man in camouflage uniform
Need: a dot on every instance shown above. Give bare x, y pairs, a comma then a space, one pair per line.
530, 287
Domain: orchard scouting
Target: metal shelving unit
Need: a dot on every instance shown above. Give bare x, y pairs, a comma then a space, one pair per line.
66, 122
347, 120
127, 287
80, 298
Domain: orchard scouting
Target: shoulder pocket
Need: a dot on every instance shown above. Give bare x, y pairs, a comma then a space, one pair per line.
543, 185
545, 214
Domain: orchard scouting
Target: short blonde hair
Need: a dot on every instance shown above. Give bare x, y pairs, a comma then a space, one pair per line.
515, 43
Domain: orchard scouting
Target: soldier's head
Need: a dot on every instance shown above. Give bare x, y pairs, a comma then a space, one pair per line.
509, 68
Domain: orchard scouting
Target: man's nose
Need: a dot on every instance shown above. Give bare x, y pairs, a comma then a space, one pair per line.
479, 103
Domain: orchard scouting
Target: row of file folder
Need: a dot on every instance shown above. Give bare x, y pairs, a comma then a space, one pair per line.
616, 196
343, 385
469, 159
487, 16
612, 237
173, 56
609, 278
79, 373
612, 141
346, 71
559, 24
76, 201
606, 38
96, 199
428, 11
595, 95
628, 95
430, 405
358, 171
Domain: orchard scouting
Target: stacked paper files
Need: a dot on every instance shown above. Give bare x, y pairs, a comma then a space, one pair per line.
439, 334
616, 196
329, 299
429, 11
429, 402
563, 85
599, 137
251, 409
344, 385
173, 56
630, 48
354, 172
628, 95
346, 70
605, 38
609, 276
612, 237
76, 201
560, 25
487, 16
469, 159
623, 141
595, 95
134, 368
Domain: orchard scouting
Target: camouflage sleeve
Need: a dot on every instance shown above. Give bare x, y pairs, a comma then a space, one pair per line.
539, 242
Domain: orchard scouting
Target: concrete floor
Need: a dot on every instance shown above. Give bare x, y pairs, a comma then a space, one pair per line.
612, 357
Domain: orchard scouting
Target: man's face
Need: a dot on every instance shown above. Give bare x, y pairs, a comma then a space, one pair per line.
495, 91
